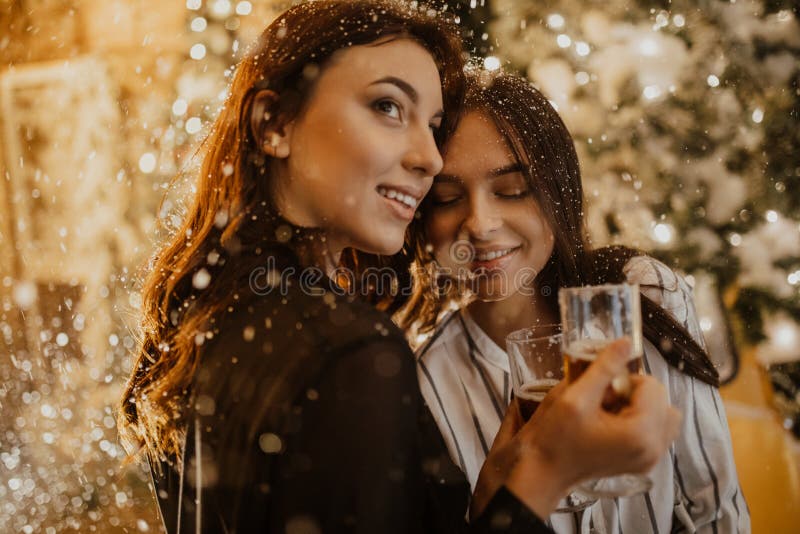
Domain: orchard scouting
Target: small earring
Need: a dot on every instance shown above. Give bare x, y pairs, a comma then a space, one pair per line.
282, 150
276, 146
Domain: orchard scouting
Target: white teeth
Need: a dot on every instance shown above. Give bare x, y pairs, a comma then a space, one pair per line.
393, 194
489, 256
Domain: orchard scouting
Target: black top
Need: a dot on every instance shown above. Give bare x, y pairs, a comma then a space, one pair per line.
307, 417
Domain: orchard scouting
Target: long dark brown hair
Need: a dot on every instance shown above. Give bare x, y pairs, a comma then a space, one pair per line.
544, 147
232, 224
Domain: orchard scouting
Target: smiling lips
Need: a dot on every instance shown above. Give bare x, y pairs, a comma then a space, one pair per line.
492, 259
403, 201
493, 254
395, 194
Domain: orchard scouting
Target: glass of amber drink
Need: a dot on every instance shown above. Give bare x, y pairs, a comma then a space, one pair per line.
534, 357
591, 318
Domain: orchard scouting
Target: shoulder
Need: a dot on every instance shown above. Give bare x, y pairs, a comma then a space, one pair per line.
667, 289
658, 282
649, 272
305, 317
290, 337
446, 330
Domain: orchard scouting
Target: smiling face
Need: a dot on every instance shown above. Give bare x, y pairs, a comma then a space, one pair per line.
362, 154
482, 201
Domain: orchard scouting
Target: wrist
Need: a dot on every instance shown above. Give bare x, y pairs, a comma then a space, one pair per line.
537, 482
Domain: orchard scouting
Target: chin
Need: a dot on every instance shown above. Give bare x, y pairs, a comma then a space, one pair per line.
384, 245
494, 295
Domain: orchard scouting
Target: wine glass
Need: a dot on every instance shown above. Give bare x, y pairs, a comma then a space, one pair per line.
592, 317
534, 356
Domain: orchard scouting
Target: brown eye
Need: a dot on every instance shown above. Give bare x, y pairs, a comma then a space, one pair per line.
387, 107
440, 202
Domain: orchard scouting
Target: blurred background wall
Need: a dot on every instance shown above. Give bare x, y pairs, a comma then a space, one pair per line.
685, 116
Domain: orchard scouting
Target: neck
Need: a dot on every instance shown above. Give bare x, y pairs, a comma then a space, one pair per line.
319, 250
500, 318
316, 246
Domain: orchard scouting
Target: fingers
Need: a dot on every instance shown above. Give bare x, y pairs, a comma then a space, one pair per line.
551, 397
510, 425
591, 385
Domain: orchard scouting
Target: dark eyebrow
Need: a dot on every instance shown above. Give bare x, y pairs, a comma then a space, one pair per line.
407, 89
447, 179
511, 168
402, 85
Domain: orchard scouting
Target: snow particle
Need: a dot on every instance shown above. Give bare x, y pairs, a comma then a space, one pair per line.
555, 21
197, 51
205, 405
249, 333
270, 443
193, 125
201, 279
62, 339
491, 63
179, 107
651, 92
663, 232
198, 24
244, 8
25, 294
147, 163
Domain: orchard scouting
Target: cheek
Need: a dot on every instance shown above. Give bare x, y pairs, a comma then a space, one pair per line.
541, 238
365, 148
440, 231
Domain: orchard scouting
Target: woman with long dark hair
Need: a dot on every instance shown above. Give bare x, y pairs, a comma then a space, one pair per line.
265, 395
508, 205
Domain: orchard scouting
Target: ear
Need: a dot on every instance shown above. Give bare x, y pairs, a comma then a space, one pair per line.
266, 127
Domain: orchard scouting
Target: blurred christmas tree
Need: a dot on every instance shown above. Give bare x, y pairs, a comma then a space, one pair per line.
686, 116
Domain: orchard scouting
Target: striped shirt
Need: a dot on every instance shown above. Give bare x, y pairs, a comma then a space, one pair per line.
464, 378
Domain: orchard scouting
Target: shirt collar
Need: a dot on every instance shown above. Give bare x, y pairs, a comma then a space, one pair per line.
487, 348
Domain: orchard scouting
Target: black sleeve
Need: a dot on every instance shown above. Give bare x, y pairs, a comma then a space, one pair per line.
505, 513
353, 464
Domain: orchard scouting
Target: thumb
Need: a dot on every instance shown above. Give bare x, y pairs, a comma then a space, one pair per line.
610, 363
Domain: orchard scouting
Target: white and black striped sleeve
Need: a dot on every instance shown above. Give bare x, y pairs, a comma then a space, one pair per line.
703, 454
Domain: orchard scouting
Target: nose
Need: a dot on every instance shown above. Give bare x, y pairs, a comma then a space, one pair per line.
422, 156
482, 219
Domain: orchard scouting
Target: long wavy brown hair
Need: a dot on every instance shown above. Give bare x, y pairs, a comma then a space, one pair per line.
232, 224
540, 141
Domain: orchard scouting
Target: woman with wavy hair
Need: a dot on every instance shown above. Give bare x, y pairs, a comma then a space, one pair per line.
506, 215
265, 395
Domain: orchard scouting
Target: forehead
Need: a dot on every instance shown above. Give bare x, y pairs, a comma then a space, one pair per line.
399, 57
476, 147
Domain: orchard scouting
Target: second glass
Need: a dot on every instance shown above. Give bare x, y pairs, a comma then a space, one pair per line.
534, 356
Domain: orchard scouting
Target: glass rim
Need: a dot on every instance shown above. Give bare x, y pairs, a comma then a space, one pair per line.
518, 336
581, 290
